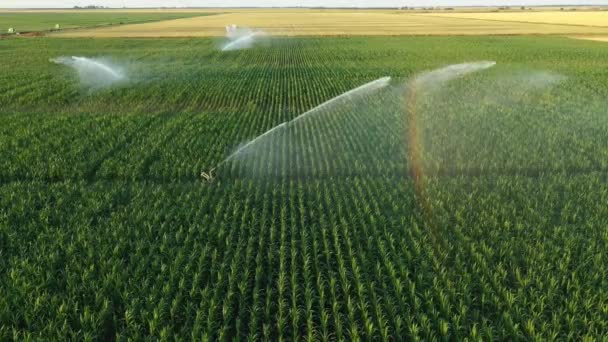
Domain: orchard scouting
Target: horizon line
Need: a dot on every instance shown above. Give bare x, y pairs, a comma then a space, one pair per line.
305, 7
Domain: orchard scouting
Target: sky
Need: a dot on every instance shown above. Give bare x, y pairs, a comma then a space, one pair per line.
285, 3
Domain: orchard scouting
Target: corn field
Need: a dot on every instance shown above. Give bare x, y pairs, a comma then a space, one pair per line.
322, 232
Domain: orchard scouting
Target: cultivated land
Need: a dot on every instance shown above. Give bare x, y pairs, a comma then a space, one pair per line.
588, 19
360, 22
594, 18
107, 231
594, 38
27, 21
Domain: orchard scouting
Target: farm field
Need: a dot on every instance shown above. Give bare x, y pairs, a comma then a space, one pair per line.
27, 21
308, 22
592, 18
470, 208
593, 38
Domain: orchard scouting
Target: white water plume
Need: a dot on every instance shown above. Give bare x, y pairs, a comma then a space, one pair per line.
347, 96
516, 87
258, 138
466, 120
93, 72
495, 123
379, 118
240, 38
437, 77
538, 79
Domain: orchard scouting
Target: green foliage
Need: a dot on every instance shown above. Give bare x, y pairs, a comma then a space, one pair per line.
38, 21
106, 231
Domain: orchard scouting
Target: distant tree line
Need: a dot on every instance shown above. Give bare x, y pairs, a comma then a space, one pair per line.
90, 7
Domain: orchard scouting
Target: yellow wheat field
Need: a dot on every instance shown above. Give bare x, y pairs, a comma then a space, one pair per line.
594, 18
333, 23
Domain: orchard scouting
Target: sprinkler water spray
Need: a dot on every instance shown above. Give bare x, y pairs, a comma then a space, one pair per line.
347, 96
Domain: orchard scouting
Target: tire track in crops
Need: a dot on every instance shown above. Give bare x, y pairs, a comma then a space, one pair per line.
133, 162
120, 198
279, 177
177, 126
188, 153
121, 145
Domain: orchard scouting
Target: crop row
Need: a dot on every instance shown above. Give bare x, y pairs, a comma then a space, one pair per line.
322, 260
316, 232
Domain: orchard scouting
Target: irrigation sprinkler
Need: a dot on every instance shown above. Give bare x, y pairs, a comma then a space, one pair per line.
208, 177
